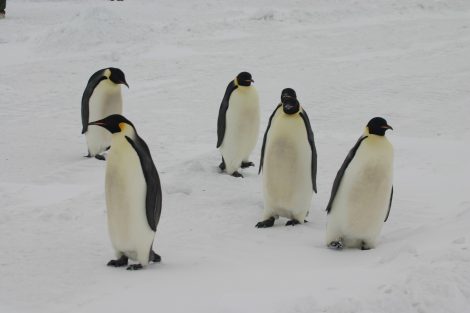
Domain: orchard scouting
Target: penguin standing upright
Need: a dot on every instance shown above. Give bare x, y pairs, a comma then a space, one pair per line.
102, 97
289, 163
238, 124
362, 192
133, 194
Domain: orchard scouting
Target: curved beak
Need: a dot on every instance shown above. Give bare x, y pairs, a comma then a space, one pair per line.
125, 83
387, 127
98, 123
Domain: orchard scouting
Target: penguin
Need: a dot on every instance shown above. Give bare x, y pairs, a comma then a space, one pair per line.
238, 124
288, 162
133, 194
361, 197
102, 97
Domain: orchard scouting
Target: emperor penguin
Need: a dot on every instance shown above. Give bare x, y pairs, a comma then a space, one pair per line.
133, 194
102, 97
288, 162
238, 124
362, 191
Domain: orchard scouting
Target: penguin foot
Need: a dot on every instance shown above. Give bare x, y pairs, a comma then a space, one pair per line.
237, 174
222, 166
100, 157
247, 164
122, 261
292, 222
364, 246
336, 245
135, 267
155, 257
87, 156
266, 223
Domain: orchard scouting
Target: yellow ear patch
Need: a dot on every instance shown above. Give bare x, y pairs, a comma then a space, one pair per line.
122, 126
236, 81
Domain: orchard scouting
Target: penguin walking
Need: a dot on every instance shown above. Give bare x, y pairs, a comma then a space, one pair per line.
288, 162
238, 124
133, 194
102, 97
362, 192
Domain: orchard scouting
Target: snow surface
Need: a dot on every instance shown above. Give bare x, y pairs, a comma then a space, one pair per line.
348, 60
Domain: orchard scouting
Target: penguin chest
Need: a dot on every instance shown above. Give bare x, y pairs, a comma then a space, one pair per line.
105, 100
242, 119
287, 163
367, 186
125, 197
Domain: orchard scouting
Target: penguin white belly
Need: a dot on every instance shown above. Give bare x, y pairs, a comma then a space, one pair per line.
287, 182
105, 100
361, 203
242, 127
125, 198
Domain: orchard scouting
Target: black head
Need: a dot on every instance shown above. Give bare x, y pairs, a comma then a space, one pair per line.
378, 126
244, 79
288, 93
117, 76
113, 123
289, 101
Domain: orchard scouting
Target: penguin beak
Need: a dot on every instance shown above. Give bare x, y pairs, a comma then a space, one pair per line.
251, 80
125, 83
98, 123
387, 127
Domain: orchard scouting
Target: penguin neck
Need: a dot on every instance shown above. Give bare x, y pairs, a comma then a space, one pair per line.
126, 131
110, 87
375, 139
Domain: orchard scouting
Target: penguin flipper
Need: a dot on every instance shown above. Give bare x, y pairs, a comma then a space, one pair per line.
94, 80
153, 200
389, 205
223, 112
311, 141
341, 171
265, 137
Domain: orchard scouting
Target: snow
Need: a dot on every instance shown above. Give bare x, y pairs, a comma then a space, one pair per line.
349, 60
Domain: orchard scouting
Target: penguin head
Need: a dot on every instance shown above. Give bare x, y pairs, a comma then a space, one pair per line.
244, 79
113, 123
378, 126
117, 76
289, 101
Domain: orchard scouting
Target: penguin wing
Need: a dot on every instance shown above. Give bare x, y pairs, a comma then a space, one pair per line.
223, 112
341, 171
389, 205
94, 80
311, 141
264, 138
153, 200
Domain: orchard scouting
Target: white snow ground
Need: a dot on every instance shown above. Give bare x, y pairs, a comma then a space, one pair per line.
349, 60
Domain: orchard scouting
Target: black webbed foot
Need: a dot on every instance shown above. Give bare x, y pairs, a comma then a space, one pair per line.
336, 245
87, 156
135, 267
237, 174
100, 157
222, 165
155, 257
122, 261
266, 223
247, 164
292, 222
364, 246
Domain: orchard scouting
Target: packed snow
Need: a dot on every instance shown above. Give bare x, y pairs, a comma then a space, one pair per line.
348, 60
